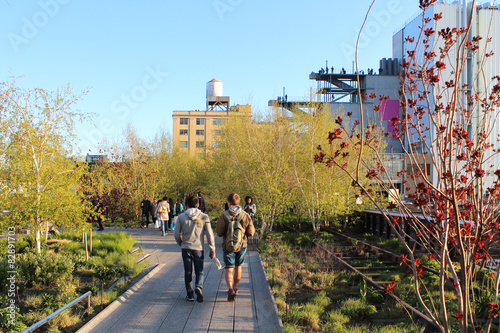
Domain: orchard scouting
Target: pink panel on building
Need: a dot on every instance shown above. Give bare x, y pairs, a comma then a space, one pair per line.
388, 110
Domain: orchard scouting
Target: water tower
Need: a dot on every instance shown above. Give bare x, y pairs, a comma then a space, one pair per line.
215, 100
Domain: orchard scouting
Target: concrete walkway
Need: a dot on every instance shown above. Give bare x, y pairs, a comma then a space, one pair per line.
157, 302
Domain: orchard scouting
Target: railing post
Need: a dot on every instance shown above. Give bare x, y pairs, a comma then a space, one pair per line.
88, 305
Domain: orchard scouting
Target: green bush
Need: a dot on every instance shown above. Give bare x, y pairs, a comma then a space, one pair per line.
73, 247
321, 299
5, 318
114, 242
357, 309
309, 315
335, 321
45, 269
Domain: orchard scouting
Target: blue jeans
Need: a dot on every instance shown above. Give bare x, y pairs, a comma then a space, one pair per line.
193, 258
163, 227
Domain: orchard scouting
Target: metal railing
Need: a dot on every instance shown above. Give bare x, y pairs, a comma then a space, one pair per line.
53, 315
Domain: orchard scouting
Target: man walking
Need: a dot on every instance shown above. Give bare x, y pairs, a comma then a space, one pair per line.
146, 207
189, 231
234, 260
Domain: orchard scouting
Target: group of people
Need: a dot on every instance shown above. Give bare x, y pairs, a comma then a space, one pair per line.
164, 212
193, 226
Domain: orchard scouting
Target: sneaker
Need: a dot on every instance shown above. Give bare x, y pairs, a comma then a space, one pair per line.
199, 295
231, 295
190, 298
235, 292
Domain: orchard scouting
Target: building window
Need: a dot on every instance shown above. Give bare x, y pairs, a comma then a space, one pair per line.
200, 121
217, 144
183, 121
184, 144
218, 121
200, 132
216, 132
200, 144
183, 132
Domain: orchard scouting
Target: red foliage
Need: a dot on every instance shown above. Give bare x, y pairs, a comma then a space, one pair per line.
389, 287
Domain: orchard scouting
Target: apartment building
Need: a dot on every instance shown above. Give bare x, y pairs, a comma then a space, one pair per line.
198, 132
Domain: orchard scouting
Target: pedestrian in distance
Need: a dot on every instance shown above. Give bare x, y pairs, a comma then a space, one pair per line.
162, 214
249, 207
234, 258
154, 207
145, 207
201, 202
178, 209
171, 215
191, 226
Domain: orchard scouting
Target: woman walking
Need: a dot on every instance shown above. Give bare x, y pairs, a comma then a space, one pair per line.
163, 215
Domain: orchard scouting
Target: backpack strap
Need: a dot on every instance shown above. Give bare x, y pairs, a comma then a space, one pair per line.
230, 217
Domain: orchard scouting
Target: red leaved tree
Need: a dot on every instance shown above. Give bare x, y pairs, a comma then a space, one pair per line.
448, 128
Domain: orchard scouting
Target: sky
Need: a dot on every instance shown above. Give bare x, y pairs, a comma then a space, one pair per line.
141, 60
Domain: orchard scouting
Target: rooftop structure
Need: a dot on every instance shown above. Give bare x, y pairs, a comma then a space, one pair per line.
198, 131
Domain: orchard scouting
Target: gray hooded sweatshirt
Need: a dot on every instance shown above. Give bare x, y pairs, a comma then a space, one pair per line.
190, 228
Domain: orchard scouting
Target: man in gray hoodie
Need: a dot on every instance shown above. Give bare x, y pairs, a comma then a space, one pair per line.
189, 230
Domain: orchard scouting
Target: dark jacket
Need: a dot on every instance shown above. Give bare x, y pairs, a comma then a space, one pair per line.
202, 204
146, 206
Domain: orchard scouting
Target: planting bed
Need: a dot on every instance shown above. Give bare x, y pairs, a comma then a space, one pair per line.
62, 272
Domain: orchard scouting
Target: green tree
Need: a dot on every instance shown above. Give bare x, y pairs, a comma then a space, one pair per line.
259, 155
39, 179
321, 193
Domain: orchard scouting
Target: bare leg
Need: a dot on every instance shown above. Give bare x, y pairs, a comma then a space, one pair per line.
229, 277
237, 277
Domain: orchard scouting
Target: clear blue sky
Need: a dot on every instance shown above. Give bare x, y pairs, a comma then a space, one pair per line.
142, 60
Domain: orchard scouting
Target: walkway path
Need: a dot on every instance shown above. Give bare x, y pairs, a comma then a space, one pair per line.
157, 302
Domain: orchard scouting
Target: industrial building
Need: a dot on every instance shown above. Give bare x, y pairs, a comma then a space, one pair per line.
485, 23
198, 131
340, 93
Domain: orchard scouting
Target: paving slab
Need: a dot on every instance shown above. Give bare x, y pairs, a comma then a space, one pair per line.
157, 302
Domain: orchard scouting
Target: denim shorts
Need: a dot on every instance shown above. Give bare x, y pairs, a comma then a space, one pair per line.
232, 259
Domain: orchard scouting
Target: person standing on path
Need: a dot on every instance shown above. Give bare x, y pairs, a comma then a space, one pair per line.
201, 202
249, 207
146, 207
154, 207
162, 215
191, 226
234, 260
178, 209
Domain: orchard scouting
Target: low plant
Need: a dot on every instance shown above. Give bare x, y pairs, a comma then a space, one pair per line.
309, 315
45, 269
335, 321
357, 308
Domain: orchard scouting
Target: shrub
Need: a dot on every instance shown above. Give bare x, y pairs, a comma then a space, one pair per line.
44, 270
137, 269
309, 315
5, 323
114, 242
335, 321
357, 309
73, 248
321, 299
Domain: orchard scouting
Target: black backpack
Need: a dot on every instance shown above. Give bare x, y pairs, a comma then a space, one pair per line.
234, 232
